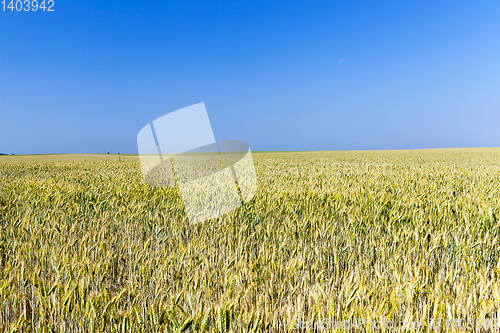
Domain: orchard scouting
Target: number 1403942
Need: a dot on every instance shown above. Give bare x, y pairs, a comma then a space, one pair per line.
27, 5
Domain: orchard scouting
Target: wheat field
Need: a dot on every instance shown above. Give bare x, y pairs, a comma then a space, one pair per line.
87, 246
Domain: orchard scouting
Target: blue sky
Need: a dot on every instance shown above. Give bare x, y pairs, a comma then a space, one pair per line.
414, 74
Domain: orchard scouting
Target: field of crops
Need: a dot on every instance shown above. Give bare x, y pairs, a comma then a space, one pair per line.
87, 246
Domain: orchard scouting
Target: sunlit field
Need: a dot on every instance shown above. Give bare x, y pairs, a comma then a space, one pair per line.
87, 246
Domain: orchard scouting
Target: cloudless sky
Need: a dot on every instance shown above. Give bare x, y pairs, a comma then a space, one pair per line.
414, 74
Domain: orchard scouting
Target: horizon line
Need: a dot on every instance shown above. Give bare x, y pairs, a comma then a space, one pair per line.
265, 151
